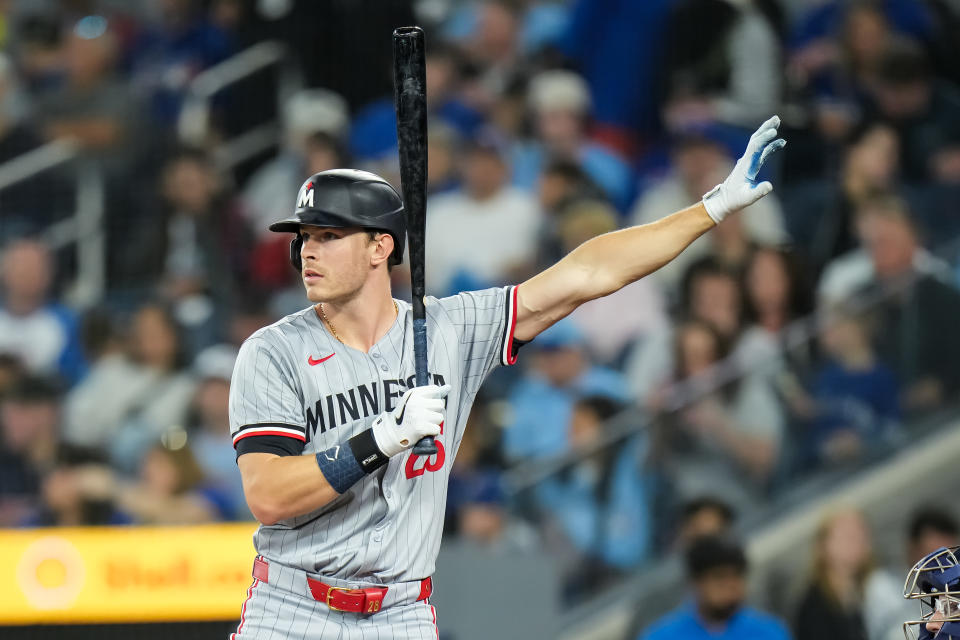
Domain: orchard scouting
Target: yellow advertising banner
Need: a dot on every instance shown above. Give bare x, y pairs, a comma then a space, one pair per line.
125, 574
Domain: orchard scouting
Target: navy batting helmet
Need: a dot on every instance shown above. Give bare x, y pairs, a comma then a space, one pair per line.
346, 198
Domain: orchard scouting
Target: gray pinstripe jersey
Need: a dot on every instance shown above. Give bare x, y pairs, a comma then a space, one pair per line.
295, 379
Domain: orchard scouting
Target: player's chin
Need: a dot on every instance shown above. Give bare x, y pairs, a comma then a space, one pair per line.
316, 292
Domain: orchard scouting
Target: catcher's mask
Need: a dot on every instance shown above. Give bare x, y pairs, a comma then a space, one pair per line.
935, 582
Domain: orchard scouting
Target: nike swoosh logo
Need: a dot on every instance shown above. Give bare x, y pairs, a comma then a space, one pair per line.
314, 362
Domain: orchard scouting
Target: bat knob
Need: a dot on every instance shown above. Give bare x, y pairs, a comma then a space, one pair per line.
425, 447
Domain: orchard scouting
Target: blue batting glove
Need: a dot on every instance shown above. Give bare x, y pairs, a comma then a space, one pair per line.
741, 188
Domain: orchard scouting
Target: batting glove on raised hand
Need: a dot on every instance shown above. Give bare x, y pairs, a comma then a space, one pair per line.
741, 189
419, 414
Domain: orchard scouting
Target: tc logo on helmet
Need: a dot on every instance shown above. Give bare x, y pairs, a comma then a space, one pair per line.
306, 198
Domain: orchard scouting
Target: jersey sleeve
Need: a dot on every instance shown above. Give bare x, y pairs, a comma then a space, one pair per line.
484, 322
266, 411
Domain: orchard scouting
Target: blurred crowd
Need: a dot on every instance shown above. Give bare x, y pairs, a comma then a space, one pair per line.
846, 592
811, 332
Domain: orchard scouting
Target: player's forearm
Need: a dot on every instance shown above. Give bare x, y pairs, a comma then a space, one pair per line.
281, 487
603, 265
614, 260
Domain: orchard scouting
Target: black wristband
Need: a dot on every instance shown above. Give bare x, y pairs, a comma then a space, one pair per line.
366, 451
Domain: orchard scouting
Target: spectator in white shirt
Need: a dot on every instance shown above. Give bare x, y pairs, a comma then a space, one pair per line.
485, 212
881, 222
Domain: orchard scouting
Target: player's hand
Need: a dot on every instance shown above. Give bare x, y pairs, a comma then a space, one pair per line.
419, 414
741, 189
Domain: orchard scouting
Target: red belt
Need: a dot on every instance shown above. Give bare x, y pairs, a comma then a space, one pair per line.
369, 600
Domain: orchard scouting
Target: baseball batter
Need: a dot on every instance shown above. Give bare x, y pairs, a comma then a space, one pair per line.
323, 407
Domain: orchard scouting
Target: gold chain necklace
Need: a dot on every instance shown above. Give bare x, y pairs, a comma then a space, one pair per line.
326, 321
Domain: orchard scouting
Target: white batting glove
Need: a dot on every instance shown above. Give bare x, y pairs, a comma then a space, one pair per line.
741, 189
419, 414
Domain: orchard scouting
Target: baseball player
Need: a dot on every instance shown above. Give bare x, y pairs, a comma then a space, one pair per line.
935, 582
323, 407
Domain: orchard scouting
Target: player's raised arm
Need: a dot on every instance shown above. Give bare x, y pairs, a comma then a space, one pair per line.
611, 261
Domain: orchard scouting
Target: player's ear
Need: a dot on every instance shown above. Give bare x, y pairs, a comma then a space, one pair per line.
382, 248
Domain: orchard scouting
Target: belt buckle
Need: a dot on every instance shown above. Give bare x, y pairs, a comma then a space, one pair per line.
330, 595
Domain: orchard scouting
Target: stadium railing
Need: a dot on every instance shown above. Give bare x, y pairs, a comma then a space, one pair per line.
82, 227
195, 124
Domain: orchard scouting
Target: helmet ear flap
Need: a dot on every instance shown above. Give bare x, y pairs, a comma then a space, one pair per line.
295, 245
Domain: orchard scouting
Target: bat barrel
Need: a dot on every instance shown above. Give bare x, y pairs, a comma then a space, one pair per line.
410, 95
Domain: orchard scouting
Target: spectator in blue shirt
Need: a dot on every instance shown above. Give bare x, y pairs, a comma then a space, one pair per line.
29, 444
856, 395
717, 569
373, 132
42, 334
170, 488
603, 504
560, 107
542, 401
825, 21
209, 423
72, 494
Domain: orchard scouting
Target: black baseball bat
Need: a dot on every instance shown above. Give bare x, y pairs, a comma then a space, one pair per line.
410, 96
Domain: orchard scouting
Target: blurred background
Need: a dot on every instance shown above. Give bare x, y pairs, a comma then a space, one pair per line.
761, 434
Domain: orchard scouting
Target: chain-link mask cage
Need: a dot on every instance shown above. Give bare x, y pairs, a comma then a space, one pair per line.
935, 583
